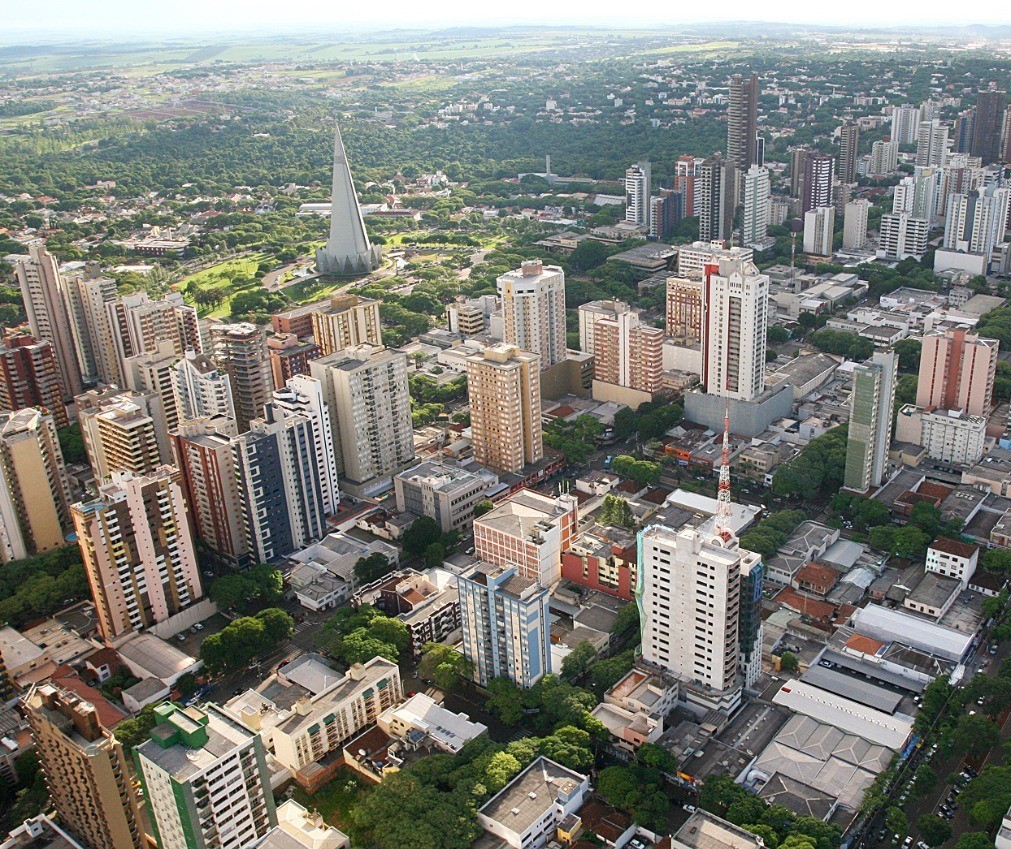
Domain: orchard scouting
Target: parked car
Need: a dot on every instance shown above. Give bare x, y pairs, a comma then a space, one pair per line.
690, 808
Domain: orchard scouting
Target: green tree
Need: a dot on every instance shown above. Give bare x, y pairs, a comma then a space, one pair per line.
576, 662
617, 512
896, 821
788, 662
435, 554
505, 701
933, 829
988, 796
589, 254
974, 840
975, 734
134, 730
482, 507
372, 568
627, 620
444, 666
423, 532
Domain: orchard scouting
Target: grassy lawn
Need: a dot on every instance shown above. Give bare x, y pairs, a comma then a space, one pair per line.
226, 277
334, 799
312, 290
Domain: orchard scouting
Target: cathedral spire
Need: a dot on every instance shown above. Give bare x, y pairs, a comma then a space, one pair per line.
348, 251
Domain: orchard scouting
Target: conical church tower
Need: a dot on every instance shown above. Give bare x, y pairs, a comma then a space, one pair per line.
348, 251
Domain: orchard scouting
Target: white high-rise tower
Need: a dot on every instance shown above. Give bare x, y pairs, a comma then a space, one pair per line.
637, 191
348, 251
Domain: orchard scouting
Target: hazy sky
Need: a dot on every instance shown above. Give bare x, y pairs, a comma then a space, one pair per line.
116, 17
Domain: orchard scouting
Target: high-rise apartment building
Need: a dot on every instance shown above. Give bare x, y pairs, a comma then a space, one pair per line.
34, 490
289, 356
957, 371
138, 551
693, 258
849, 145
855, 224
819, 169
201, 389
504, 390
88, 293
687, 169
905, 123
42, 292
884, 159
989, 121
964, 125
138, 324
715, 187
506, 625
755, 224
736, 316
918, 195
206, 780
685, 309
975, 222
369, 400
798, 170
240, 350
742, 121
819, 228
281, 484
689, 593
870, 424
901, 236
30, 377
533, 310
932, 143
119, 436
348, 321
153, 374
1007, 135
303, 395
85, 769
204, 453
665, 210
638, 191
529, 530
627, 352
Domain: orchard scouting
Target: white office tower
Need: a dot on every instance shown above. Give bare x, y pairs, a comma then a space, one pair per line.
533, 310
931, 143
901, 236
855, 224
884, 159
689, 588
736, 299
42, 292
202, 390
637, 194
819, 228
505, 624
960, 174
303, 395
756, 207
976, 221
870, 427
348, 251
918, 195
905, 123
87, 293
206, 780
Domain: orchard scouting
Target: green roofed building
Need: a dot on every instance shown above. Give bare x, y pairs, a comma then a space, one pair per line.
205, 779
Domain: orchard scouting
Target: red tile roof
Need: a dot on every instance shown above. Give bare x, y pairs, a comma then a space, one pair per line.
950, 546
817, 574
108, 714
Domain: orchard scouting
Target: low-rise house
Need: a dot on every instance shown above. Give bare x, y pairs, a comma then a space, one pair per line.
816, 579
421, 722
528, 810
952, 559
316, 588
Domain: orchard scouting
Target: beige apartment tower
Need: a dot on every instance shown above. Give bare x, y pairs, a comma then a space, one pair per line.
138, 551
627, 352
684, 309
85, 769
533, 310
240, 350
42, 291
504, 387
88, 293
34, 491
366, 392
120, 436
348, 322
957, 371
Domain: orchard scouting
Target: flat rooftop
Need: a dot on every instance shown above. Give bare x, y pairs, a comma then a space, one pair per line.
525, 799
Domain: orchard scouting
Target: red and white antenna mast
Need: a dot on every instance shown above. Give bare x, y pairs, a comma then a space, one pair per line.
723, 529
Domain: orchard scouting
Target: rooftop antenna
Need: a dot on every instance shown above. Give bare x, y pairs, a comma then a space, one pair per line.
723, 508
